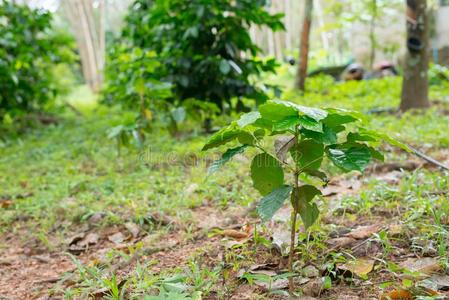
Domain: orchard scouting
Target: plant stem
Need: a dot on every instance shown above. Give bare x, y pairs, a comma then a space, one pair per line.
291, 287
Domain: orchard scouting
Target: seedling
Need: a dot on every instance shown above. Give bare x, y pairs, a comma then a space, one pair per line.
307, 136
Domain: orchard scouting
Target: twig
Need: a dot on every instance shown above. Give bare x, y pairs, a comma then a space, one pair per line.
428, 158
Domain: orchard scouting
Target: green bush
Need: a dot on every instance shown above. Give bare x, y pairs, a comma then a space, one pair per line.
28, 51
204, 47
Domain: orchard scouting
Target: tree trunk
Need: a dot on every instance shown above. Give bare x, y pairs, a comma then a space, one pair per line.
304, 46
415, 83
90, 37
372, 34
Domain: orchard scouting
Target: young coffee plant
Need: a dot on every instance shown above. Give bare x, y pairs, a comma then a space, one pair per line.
306, 137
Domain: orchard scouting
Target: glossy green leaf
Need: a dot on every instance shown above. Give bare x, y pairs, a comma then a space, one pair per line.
385, 137
276, 112
376, 154
272, 202
328, 136
314, 113
266, 173
246, 138
352, 158
227, 156
222, 137
355, 136
248, 119
310, 124
301, 200
308, 154
287, 123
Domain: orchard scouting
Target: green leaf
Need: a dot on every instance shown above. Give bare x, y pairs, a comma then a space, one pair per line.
376, 154
314, 113
272, 202
287, 123
246, 138
301, 201
266, 173
248, 119
276, 112
318, 174
310, 124
179, 114
227, 156
385, 137
338, 117
308, 154
222, 137
350, 158
225, 67
355, 136
328, 136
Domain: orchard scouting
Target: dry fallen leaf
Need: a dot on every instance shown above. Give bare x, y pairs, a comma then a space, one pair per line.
363, 232
133, 229
76, 238
437, 282
117, 238
5, 203
341, 242
278, 284
395, 230
235, 234
360, 267
397, 295
426, 265
89, 239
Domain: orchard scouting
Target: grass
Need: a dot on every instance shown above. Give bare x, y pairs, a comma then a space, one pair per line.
58, 176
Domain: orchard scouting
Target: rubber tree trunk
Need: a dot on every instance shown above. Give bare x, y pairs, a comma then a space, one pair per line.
372, 34
304, 46
415, 83
87, 25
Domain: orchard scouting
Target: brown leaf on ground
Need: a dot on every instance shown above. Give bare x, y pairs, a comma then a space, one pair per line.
89, 239
75, 238
117, 238
360, 267
313, 287
341, 242
5, 203
364, 232
397, 295
395, 230
275, 285
426, 265
232, 233
438, 282
341, 186
133, 228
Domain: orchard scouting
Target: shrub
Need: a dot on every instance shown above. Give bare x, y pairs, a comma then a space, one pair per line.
28, 50
204, 46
